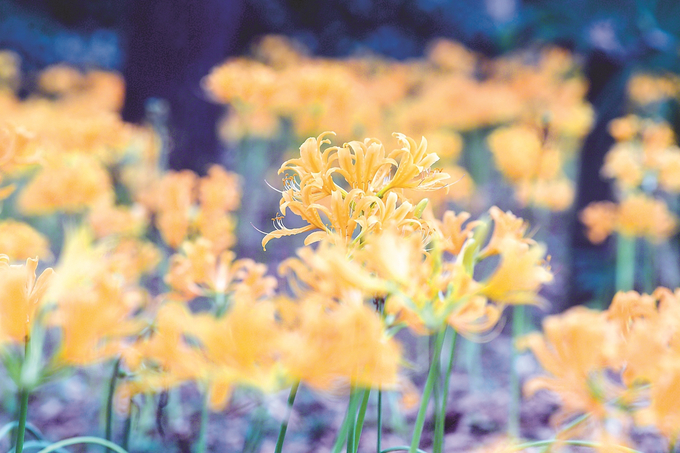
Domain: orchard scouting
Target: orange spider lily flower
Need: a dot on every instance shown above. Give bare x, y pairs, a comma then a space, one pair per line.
641, 215
664, 408
95, 322
330, 271
20, 241
22, 296
345, 344
520, 274
505, 225
599, 219
565, 350
451, 231
368, 200
175, 197
628, 307
199, 271
241, 348
107, 219
17, 149
412, 160
314, 165
71, 183
163, 359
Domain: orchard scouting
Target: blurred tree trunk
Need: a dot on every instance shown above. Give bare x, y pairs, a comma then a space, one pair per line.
170, 46
592, 270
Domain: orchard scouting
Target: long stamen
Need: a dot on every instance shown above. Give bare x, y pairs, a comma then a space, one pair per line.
278, 222
289, 183
258, 230
272, 187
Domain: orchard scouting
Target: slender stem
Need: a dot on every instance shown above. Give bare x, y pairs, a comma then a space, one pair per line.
220, 304
380, 422
625, 262
83, 440
437, 391
203, 430
515, 390
253, 439
427, 391
284, 423
648, 274
381, 310
344, 428
21, 429
127, 428
360, 418
109, 401
352, 414
23, 404
472, 355
438, 443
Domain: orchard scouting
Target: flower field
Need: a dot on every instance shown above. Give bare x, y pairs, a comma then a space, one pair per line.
379, 266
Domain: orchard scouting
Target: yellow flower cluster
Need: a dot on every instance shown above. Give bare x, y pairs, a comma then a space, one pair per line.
630, 377
533, 165
644, 157
372, 251
636, 216
368, 198
644, 89
422, 96
449, 91
186, 206
20, 241
72, 127
644, 149
380, 261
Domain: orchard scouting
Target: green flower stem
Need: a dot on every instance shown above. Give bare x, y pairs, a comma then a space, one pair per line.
438, 443
576, 443
284, 423
23, 400
427, 391
518, 316
472, 354
625, 262
220, 304
21, 429
127, 428
380, 422
83, 440
203, 430
360, 418
109, 401
477, 157
253, 439
381, 310
344, 428
648, 274
437, 401
351, 424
